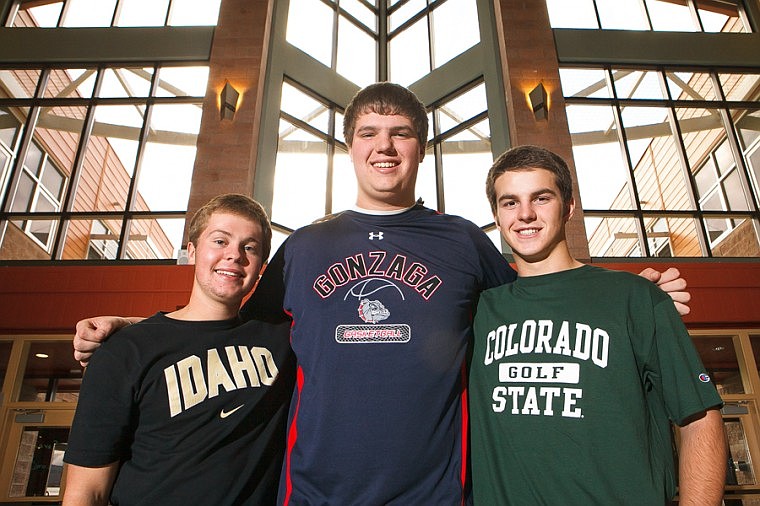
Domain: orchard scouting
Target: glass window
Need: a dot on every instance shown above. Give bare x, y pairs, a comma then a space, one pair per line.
584, 83
50, 373
718, 354
81, 13
740, 86
721, 16
38, 14
5, 355
310, 25
38, 468
572, 14
622, 14
594, 134
356, 59
161, 139
194, 12
690, 86
142, 13
638, 84
453, 16
671, 16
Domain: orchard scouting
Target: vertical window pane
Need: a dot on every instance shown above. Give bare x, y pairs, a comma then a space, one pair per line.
741, 242
679, 235
465, 160
20, 83
409, 54
95, 239
594, 135
718, 354
357, 54
721, 16
70, 83
305, 108
460, 109
690, 86
39, 462
638, 84
454, 16
657, 168
194, 12
310, 26
344, 187
182, 81
42, 16
612, 237
150, 239
361, 12
740, 86
51, 374
622, 15
168, 159
748, 126
89, 13
404, 13
671, 16
584, 83
741, 471
427, 184
109, 160
700, 129
126, 82
58, 131
142, 12
300, 179
8, 128
572, 14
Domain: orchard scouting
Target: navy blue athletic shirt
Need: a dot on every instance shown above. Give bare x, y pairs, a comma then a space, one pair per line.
382, 309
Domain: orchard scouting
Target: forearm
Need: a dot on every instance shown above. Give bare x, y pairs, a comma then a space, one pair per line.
89, 486
702, 461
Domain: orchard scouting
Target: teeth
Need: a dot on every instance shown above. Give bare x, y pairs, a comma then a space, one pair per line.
528, 231
384, 165
227, 273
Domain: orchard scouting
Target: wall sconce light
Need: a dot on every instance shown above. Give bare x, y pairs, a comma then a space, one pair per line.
228, 101
538, 102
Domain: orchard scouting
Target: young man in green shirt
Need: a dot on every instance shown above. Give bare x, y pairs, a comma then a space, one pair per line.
578, 372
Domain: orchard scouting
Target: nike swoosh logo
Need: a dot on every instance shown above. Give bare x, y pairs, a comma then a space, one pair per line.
225, 414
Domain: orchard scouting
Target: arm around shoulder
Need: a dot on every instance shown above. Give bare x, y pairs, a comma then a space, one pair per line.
702, 460
89, 486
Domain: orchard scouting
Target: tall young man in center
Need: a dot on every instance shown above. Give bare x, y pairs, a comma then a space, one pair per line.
381, 298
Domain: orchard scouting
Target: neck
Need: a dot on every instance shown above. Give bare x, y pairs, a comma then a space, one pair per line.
206, 310
557, 261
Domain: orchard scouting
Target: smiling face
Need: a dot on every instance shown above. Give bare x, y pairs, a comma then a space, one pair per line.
228, 258
386, 154
531, 217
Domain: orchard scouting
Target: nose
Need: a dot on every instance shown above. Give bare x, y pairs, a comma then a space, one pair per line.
526, 212
384, 143
236, 253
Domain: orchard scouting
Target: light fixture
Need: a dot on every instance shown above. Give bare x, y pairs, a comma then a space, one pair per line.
538, 102
41, 355
228, 101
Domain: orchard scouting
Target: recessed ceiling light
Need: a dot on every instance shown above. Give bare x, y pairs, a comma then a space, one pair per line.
42, 355
719, 348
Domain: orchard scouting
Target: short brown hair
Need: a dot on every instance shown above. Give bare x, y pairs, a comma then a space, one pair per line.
386, 98
526, 158
239, 205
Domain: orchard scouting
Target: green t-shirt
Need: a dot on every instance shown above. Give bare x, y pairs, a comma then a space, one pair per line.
574, 379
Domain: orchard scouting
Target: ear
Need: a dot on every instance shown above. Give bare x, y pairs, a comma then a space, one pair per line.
190, 253
570, 210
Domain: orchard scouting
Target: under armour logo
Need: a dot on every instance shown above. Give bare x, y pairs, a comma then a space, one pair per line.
376, 235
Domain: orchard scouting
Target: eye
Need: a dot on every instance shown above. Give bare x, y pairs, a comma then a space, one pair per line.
251, 248
508, 204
